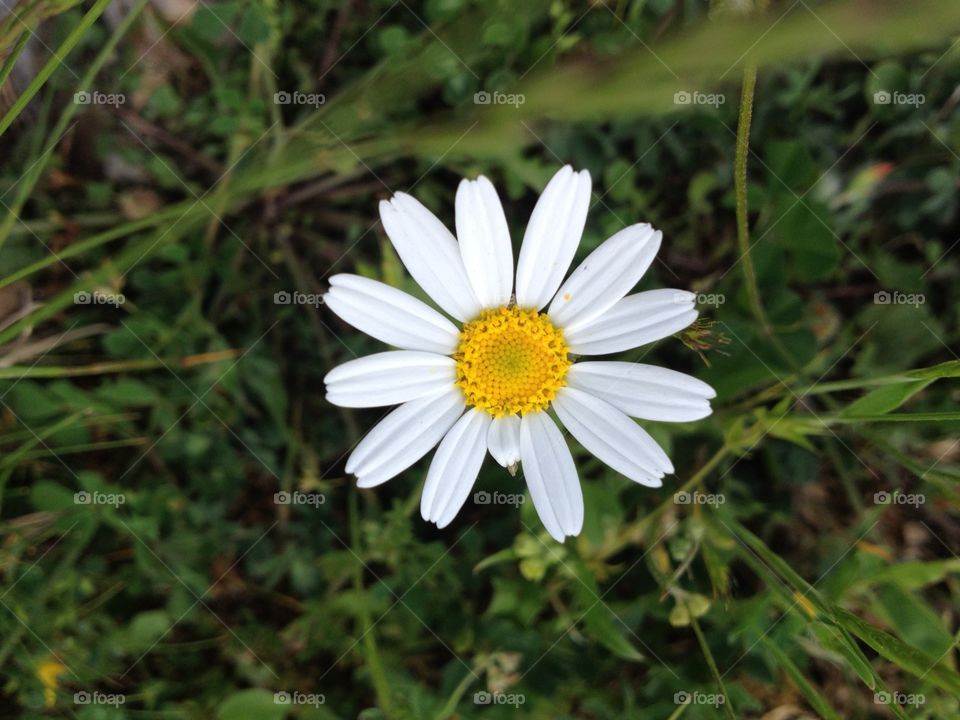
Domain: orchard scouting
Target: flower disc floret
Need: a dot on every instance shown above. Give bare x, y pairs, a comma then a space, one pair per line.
511, 360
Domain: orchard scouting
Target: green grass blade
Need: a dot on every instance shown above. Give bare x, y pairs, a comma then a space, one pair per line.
53, 63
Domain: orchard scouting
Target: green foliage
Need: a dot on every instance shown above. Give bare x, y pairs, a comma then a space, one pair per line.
814, 561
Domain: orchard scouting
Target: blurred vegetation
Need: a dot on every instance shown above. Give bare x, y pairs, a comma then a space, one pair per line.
822, 578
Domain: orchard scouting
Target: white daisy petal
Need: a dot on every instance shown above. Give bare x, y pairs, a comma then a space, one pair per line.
552, 237
390, 315
551, 476
644, 391
404, 436
430, 253
389, 378
613, 437
633, 321
484, 242
454, 468
605, 276
503, 440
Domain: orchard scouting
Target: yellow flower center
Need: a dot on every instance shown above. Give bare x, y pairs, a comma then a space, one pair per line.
511, 360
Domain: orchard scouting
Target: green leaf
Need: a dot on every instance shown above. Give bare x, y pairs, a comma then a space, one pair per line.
209, 24
788, 163
943, 370
906, 656
896, 417
935, 372
601, 625
146, 629
884, 399
804, 595
915, 574
913, 620
128, 392
802, 228
254, 24
252, 704
718, 567
897, 389
33, 402
599, 621
832, 638
49, 496
780, 566
263, 378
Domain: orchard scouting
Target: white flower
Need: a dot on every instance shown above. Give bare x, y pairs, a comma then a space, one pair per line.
487, 384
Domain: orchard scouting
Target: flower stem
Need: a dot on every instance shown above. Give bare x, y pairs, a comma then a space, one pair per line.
380, 685
740, 187
712, 664
695, 481
743, 218
451, 706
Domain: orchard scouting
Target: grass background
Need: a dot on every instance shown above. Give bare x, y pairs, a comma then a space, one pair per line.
803, 593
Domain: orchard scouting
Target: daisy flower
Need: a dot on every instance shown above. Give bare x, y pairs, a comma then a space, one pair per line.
488, 381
